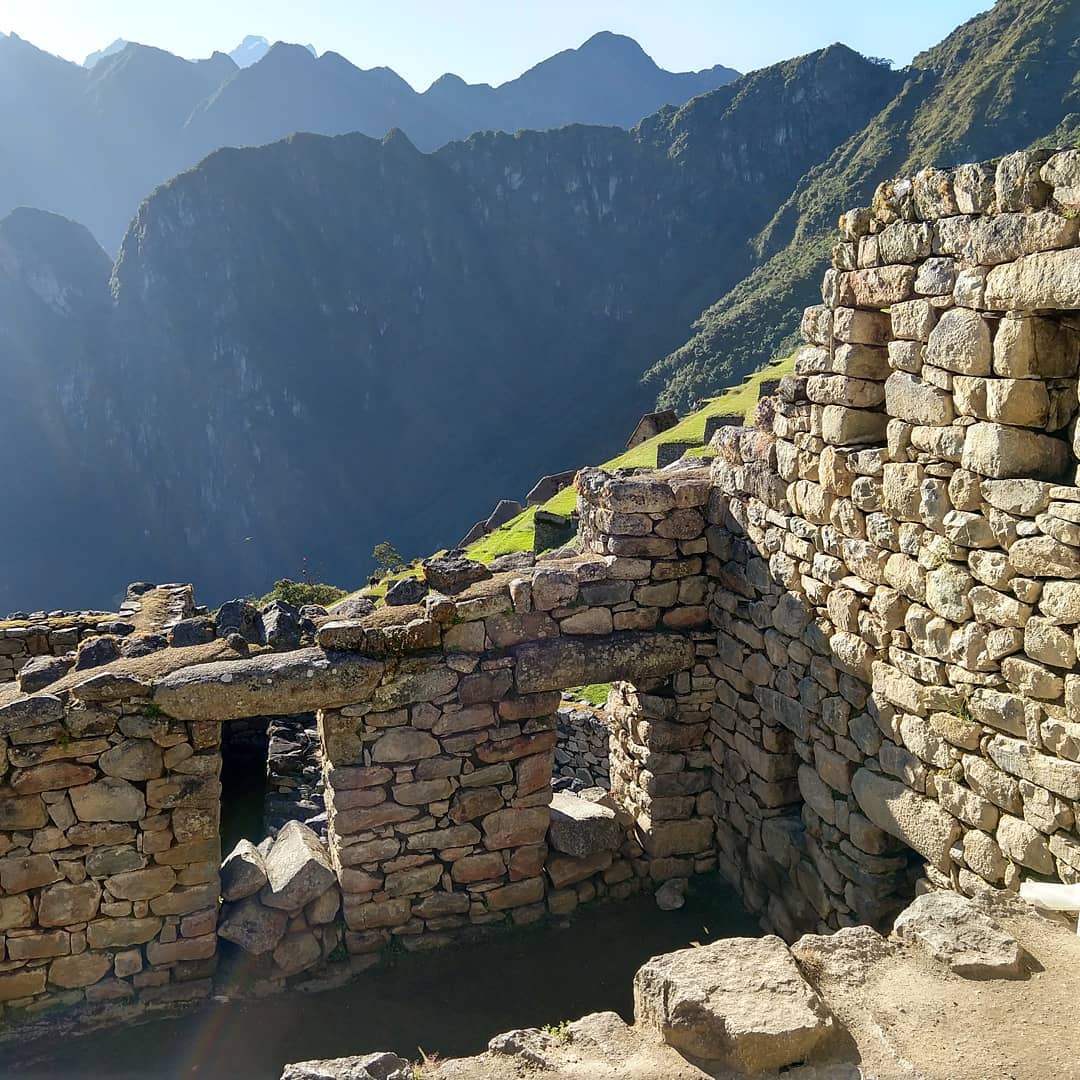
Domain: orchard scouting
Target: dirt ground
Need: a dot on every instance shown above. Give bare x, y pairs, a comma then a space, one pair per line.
911, 1019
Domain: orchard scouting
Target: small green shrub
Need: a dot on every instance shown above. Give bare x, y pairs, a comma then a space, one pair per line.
560, 1032
299, 593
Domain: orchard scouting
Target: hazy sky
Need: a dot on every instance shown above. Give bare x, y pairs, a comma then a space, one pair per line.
494, 40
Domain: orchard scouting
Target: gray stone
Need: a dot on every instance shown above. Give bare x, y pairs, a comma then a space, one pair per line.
579, 827
953, 931
28, 712
111, 799
672, 894
565, 662
267, 685
255, 928
298, 869
195, 631
844, 957
409, 590
281, 625
378, 1066
243, 873
452, 573
896, 809
42, 671
739, 1002
240, 617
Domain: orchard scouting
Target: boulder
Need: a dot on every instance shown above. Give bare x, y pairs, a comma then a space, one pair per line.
298, 869
579, 827
739, 1002
243, 873
95, 651
452, 573
378, 1066
195, 631
42, 671
281, 625
672, 894
954, 932
256, 929
844, 957
240, 617
352, 607
408, 590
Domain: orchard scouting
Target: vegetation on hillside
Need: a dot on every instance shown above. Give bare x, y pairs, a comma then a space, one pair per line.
1006, 79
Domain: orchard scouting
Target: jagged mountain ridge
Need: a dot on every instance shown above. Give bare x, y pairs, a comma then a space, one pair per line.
1007, 78
90, 142
327, 342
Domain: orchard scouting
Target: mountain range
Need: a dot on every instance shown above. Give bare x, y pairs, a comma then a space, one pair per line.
90, 142
307, 347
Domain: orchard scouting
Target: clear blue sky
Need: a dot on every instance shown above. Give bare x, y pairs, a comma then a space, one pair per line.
494, 40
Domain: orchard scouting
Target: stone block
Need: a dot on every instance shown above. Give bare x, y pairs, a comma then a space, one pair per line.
896, 809
1000, 452
740, 1003
955, 933
298, 869
580, 828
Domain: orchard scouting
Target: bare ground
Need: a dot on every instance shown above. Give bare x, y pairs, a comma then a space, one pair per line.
911, 1019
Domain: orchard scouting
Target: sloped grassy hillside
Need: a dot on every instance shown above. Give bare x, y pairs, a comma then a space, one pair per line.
517, 534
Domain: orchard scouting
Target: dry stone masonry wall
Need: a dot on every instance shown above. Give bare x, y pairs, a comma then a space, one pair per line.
844, 656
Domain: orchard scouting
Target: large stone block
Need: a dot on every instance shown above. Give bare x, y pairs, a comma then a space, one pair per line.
739, 1002
267, 685
579, 827
954, 932
852, 427
1046, 279
908, 398
1001, 452
896, 809
298, 869
960, 342
556, 665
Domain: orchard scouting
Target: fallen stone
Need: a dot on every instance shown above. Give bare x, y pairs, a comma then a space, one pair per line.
195, 631
581, 828
378, 1066
408, 590
243, 873
740, 1002
452, 573
255, 928
844, 957
42, 671
672, 894
281, 625
950, 929
298, 869
240, 617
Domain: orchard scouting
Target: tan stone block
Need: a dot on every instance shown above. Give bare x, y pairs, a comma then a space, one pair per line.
960, 342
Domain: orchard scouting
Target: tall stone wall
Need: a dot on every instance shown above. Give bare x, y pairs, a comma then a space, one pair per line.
903, 550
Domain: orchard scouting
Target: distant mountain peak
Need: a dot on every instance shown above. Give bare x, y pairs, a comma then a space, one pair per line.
117, 46
254, 47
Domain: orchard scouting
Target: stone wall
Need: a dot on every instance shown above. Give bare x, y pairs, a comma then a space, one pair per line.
845, 655
583, 750
898, 606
